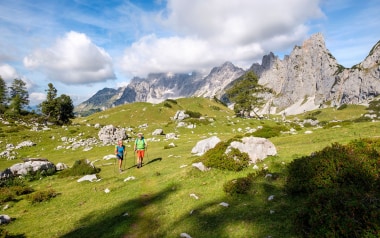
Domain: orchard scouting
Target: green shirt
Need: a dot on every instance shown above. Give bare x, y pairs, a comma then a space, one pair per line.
140, 144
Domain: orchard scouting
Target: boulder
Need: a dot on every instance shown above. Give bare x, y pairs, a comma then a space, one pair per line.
4, 219
158, 132
110, 134
257, 148
204, 145
32, 165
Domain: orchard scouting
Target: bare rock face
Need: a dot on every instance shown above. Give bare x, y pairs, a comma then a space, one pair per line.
310, 78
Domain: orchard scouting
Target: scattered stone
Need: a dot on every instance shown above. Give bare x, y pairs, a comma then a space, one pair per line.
200, 166
107, 190
158, 132
108, 157
194, 196
61, 166
5, 219
89, 177
129, 178
185, 235
224, 204
271, 197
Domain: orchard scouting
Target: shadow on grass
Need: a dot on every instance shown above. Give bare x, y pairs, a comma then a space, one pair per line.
250, 215
246, 216
129, 219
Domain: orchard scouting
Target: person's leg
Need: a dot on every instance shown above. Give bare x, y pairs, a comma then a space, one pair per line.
142, 157
138, 159
120, 163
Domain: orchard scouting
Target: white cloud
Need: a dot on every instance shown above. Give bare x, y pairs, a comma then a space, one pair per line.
73, 59
8, 73
36, 98
208, 33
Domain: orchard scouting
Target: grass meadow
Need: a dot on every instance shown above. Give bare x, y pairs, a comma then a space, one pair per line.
161, 200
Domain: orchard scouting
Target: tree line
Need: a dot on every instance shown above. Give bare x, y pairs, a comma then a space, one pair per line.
15, 99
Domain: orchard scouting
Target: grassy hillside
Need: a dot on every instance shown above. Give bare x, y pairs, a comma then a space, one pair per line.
158, 202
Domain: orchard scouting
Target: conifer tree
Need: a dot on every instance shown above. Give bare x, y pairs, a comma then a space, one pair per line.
18, 96
58, 110
3, 94
245, 94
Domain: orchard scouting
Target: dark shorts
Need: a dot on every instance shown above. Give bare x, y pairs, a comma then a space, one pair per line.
118, 157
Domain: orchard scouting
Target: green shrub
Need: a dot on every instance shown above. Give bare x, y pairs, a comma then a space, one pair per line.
313, 115
168, 105
340, 186
36, 175
269, 131
238, 186
234, 160
80, 167
215, 108
6, 195
337, 123
171, 101
41, 196
193, 114
196, 121
342, 107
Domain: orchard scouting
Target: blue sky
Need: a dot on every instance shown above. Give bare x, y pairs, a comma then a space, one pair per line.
82, 46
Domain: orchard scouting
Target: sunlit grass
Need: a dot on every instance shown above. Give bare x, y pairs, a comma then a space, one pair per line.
158, 202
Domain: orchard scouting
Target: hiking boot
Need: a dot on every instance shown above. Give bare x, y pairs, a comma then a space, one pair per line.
120, 170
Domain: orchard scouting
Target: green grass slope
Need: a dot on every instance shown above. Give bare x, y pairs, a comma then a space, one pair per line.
161, 200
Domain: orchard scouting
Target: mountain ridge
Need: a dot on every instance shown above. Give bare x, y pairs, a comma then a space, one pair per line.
308, 78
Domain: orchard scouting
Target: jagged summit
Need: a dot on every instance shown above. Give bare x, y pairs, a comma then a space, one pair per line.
308, 78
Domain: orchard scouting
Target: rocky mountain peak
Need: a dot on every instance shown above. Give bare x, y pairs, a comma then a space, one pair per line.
306, 79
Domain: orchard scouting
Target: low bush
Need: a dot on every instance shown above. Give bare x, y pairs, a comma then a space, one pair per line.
269, 131
238, 186
171, 101
80, 167
168, 105
41, 196
340, 186
193, 114
234, 160
342, 107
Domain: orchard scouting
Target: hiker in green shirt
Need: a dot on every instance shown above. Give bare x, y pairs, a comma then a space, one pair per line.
140, 147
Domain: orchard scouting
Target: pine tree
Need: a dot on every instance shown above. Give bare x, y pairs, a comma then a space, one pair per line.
18, 96
3, 95
57, 109
245, 94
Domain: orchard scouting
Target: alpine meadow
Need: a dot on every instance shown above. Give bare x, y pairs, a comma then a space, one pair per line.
322, 182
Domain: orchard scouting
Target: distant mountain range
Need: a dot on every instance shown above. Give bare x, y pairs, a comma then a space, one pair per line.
307, 79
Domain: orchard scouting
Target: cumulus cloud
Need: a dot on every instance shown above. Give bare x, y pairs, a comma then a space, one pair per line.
8, 73
73, 59
208, 33
36, 98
